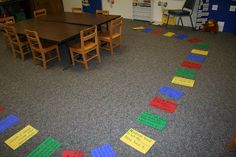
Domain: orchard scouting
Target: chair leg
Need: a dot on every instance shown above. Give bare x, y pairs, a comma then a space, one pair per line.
111, 47
34, 57
85, 62
44, 61
98, 54
58, 54
22, 54
181, 21
232, 144
72, 57
168, 17
191, 21
178, 21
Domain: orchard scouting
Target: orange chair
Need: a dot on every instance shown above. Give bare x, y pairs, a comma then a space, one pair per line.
77, 10
40, 12
18, 45
6, 21
44, 51
112, 39
88, 43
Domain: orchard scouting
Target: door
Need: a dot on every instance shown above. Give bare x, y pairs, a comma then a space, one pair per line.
51, 6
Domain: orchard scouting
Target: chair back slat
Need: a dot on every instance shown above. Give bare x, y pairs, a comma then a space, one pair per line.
116, 26
33, 39
102, 12
77, 10
88, 34
12, 35
189, 4
40, 12
6, 20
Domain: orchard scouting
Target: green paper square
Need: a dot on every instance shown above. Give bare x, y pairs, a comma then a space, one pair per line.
186, 73
45, 149
152, 120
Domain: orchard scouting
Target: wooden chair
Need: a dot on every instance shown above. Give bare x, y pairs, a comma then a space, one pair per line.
18, 45
112, 39
103, 12
232, 144
88, 43
77, 10
40, 12
44, 51
6, 21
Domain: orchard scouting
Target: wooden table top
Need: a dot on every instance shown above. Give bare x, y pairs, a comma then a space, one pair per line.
58, 32
79, 18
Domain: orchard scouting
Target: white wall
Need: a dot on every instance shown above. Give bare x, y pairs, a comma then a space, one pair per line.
120, 7
68, 4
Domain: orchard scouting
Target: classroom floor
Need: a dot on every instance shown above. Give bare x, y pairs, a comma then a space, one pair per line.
84, 110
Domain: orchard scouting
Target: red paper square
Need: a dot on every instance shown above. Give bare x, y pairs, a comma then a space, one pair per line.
194, 40
1, 108
191, 65
72, 153
156, 32
163, 104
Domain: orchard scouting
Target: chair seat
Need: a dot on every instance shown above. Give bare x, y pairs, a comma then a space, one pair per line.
106, 36
47, 46
179, 12
88, 45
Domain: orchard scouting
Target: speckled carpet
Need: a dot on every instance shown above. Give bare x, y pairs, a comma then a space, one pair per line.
84, 110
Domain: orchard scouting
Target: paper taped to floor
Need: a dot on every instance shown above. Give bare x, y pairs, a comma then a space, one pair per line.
1, 108
196, 58
199, 52
201, 46
138, 28
181, 36
147, 30
183, 81
21, 137
152, 120
169, 34
186, 73
8, 122
103, 151
137, 141
163, 104
172, 93
192, 65
156, 32
45, 149
73, 153
194, 40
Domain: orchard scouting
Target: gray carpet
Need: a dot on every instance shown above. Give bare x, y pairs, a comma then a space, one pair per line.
84, 110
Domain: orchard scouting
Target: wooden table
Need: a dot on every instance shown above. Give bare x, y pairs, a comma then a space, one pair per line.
58, 32
79, 18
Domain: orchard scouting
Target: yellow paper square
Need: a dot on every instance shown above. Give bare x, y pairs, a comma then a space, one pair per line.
183, 81
21, 137
137, 141
138, 28
169, 34
199, 52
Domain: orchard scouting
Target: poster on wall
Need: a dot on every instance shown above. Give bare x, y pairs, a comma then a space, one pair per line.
203, 13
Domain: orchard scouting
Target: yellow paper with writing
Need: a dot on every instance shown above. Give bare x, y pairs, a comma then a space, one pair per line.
137, 141
138, 28
169, 34
21, 137
183, 81
199, 52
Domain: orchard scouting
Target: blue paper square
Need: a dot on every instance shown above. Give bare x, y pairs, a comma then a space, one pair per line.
8, 122
181, 36
172, 93
103, 151
147, 30
196, 58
